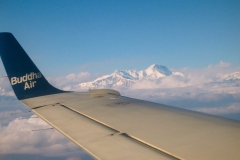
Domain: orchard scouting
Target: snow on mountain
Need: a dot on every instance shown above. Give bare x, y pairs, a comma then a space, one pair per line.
118, 78
128, 77
232, 77
157, 71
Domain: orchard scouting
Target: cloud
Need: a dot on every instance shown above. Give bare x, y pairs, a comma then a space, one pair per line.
18, 138
167, 82
192, 77
202, 92
7, 116
221, 64
231, 109
73, 158
5, 87
71, 81
218, 98
11, 108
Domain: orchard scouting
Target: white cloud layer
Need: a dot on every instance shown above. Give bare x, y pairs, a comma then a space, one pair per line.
71, 81
7, 116
232, 108
5, 88
18, 138
192, 77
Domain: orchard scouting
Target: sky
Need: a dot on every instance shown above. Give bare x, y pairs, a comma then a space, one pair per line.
87, 39
101, 36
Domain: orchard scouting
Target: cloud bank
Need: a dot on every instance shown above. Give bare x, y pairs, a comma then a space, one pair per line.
203, 90
24, 136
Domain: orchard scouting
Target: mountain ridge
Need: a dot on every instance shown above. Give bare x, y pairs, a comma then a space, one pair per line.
126, 78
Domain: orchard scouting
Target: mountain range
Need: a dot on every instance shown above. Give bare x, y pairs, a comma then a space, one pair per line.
126, 78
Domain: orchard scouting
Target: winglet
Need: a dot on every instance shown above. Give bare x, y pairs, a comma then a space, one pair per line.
26, 79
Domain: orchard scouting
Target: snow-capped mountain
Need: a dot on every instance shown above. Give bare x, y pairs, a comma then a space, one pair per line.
232, 77
128, 77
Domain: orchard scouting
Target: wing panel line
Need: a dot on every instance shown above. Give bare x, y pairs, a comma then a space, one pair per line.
125, 134
67, 136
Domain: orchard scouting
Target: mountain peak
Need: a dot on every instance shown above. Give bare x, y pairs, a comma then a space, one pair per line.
153, 66
156, 69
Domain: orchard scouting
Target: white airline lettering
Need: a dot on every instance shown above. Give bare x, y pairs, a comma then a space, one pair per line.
28, 86
27, 79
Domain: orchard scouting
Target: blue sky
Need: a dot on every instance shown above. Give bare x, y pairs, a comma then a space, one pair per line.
101, 36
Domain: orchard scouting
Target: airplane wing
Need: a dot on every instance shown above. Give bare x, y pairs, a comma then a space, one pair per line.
110, 126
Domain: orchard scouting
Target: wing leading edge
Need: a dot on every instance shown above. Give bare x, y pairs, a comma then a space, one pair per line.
110, 126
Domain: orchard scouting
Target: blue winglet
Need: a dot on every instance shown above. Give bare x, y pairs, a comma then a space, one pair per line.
26, 79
